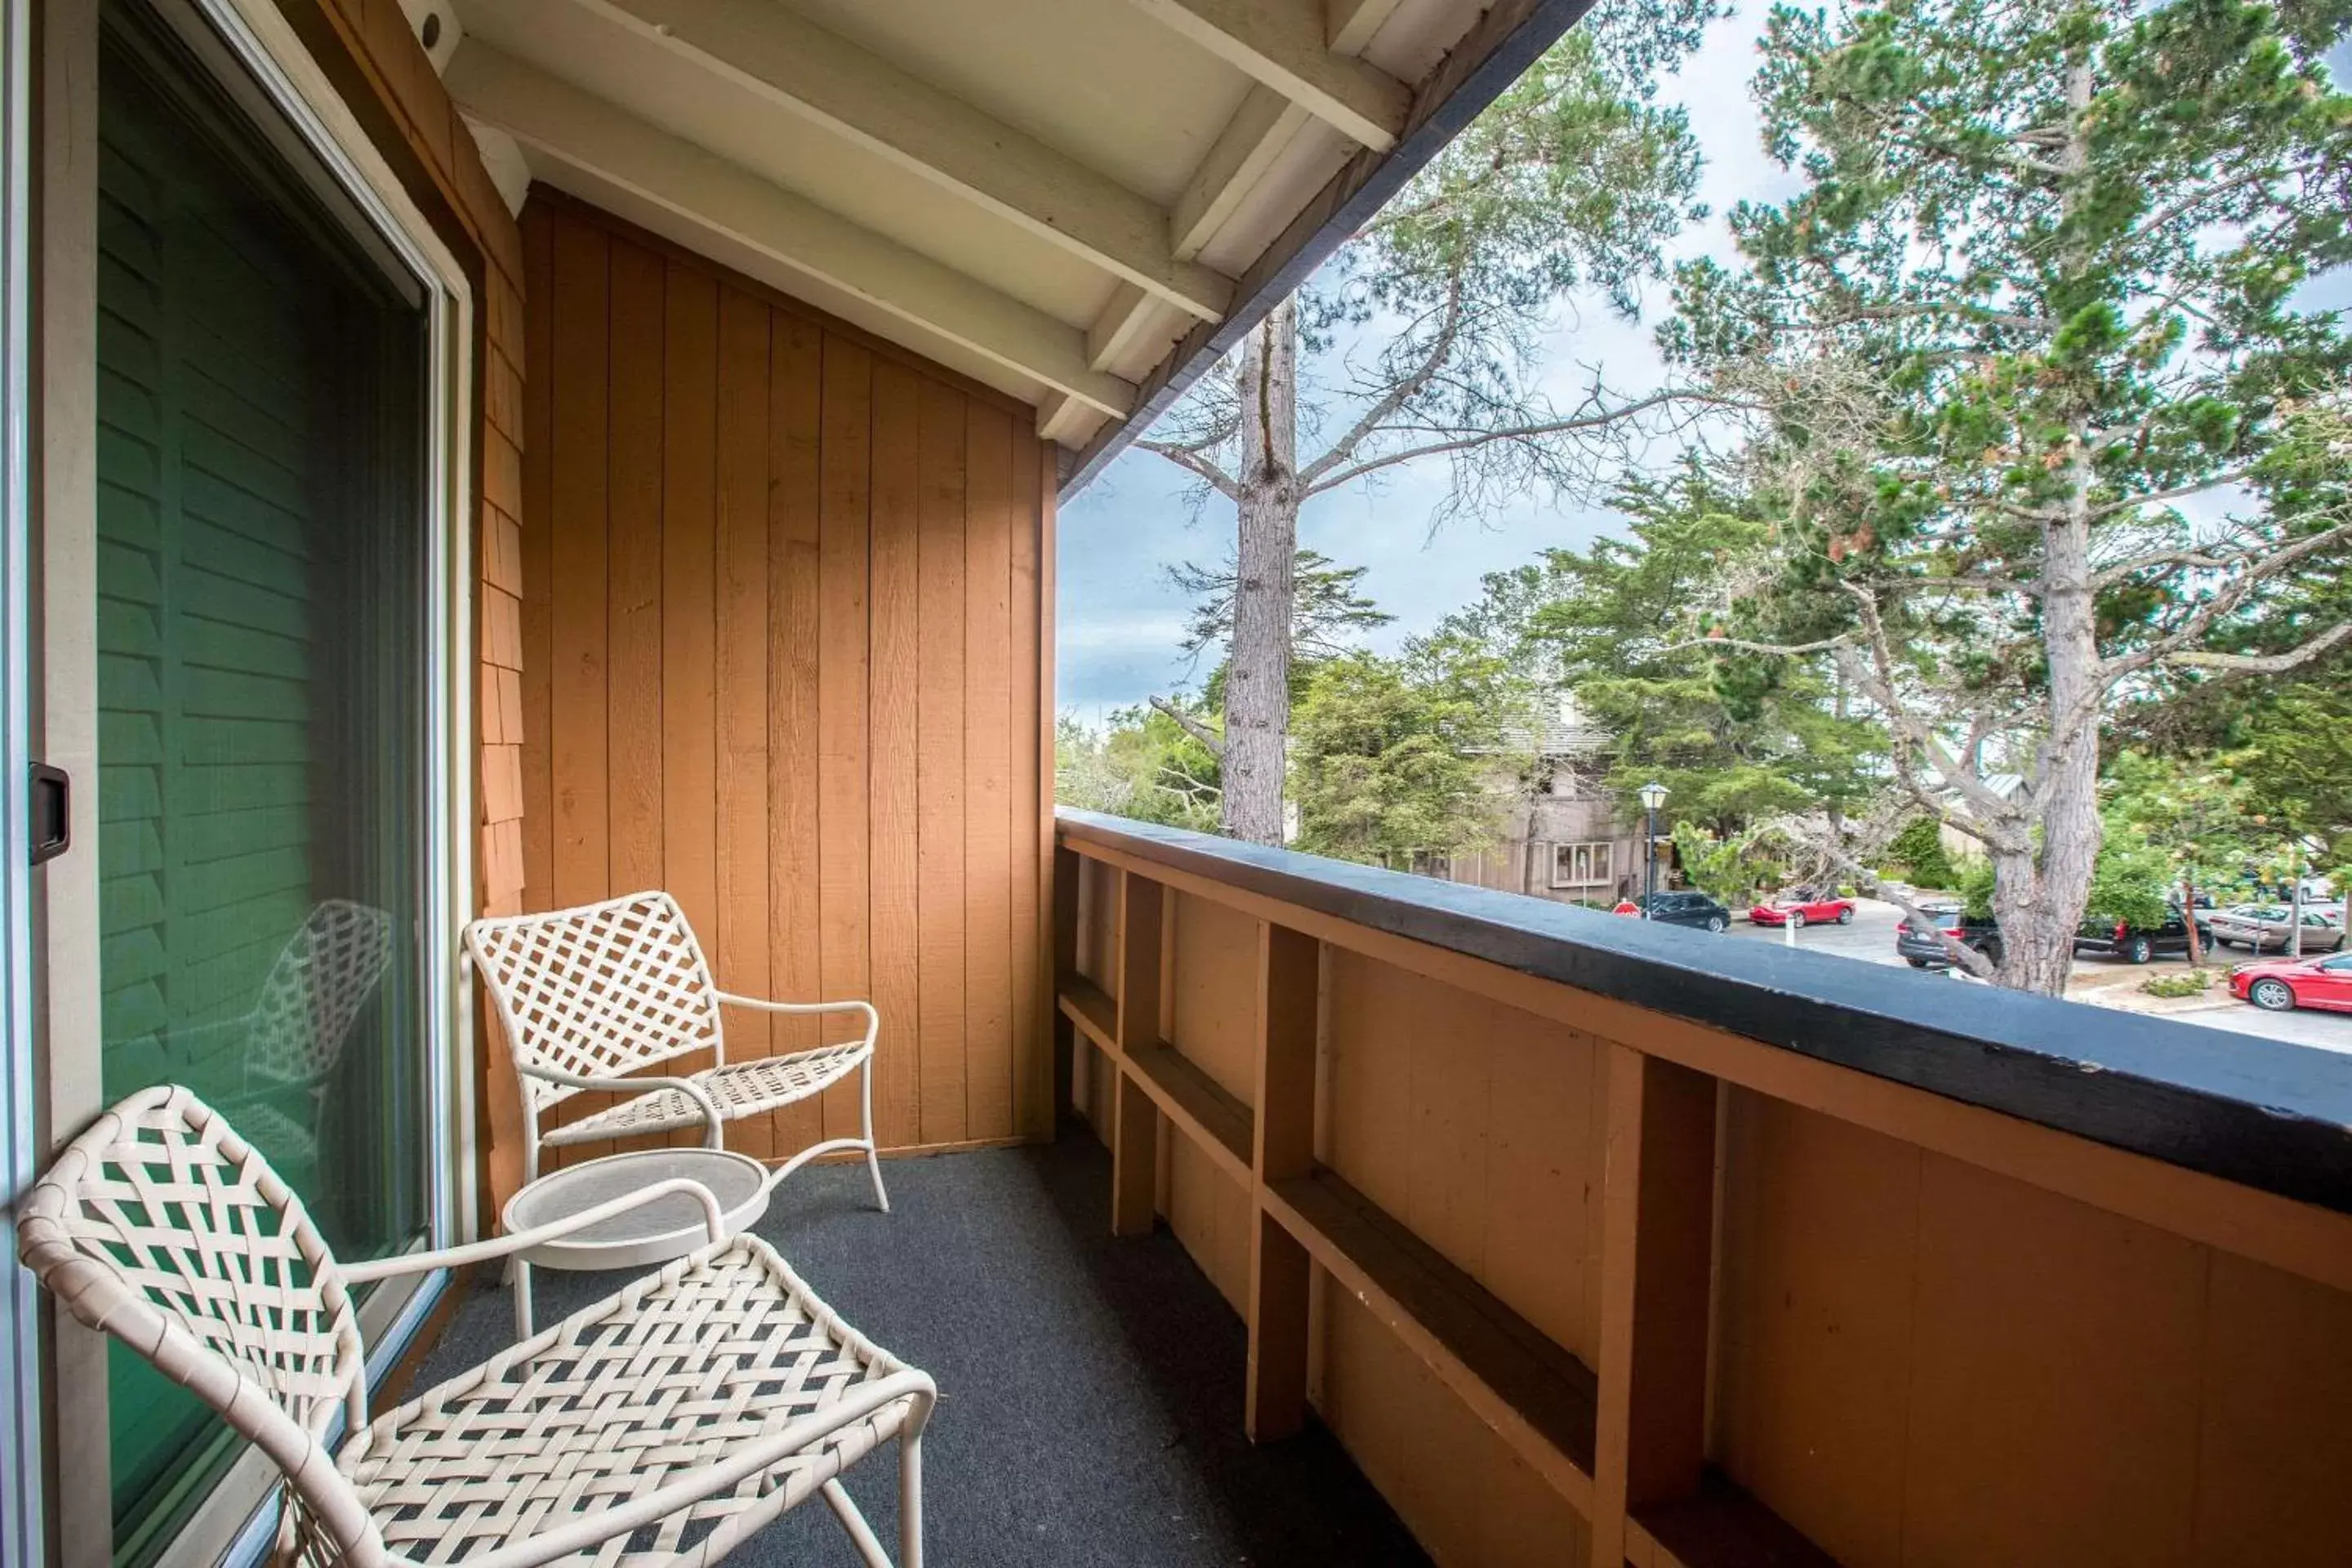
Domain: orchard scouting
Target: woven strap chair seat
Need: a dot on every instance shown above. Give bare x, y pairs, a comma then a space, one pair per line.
740, 1089
679, 1371
661, 1426
591, 997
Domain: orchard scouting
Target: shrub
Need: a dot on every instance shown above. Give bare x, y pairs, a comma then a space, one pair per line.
1919, 850
2183, 983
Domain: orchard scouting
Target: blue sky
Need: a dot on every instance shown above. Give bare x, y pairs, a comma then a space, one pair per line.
1120, 619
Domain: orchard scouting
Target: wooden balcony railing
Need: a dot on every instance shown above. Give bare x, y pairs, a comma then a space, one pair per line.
1599, 1242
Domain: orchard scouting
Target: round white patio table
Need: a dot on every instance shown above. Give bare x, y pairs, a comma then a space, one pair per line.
654, 1233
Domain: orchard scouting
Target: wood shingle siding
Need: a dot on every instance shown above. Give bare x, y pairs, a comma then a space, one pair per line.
789, 632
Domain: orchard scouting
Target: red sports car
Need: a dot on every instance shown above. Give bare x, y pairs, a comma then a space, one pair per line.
1804, 909
2281, 985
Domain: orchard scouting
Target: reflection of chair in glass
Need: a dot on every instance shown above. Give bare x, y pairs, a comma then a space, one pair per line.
284, 1049
668, 1421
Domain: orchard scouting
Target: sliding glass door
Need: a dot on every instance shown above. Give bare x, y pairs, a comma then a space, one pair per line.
262, 672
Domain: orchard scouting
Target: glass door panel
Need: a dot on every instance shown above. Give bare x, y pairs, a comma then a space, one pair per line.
260, 638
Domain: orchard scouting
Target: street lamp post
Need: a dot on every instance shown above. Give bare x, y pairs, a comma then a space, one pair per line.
1653, 795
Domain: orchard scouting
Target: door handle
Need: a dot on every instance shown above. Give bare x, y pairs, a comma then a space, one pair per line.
52, 812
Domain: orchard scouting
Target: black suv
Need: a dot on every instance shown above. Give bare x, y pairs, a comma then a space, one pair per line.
1686, 910
2139, 944
1923, 949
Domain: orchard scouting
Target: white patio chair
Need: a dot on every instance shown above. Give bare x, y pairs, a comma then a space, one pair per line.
590, 997
670, 1421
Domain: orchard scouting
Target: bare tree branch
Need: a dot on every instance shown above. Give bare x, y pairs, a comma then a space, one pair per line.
1385, 408
1194, 460
2226, 477
1742, 645
2266, 664
1876, 681
1478, 439
2251, 574
1194, 727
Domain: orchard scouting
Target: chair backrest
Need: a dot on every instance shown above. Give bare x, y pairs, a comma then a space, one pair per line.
599, 991
162, 1227
321, 979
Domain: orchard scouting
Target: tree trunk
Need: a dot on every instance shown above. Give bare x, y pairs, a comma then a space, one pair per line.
2040, 888
2038, 891
1257, 679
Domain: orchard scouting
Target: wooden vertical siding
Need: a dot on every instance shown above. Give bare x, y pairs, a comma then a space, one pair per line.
1595, 1284
789, 642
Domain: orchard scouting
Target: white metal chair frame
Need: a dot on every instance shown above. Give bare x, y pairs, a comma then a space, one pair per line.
672, 1420
591, 996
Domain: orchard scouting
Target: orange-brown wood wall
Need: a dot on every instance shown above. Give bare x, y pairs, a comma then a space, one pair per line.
781, 655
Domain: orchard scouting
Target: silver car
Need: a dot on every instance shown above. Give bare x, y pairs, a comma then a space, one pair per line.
2265, 927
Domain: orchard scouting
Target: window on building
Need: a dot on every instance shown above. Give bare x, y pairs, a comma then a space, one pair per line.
1580, 864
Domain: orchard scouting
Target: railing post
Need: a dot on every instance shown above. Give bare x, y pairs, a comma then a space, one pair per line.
1135, 1143
1067, 869
1288, 962
1657, 1237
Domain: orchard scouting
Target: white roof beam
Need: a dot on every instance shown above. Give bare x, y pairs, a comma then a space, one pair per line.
1350, 24
1119, 326
1281, 43
573, 127
1065, 419
857, 95
1243, 150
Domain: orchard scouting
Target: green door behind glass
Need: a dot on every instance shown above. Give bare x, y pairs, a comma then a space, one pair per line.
259, 676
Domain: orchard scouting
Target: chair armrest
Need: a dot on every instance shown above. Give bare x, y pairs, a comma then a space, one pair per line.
713, 1219
687, 1087
588, 1529
764, 1005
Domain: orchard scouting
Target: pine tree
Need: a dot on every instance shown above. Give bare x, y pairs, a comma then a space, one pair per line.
2039, 424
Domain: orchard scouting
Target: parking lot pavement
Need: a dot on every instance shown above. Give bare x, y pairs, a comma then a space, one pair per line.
1870, 938
2328, 1031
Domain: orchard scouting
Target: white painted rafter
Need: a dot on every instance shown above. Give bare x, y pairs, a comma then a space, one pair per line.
1119, 326
1064, 419
560, 121
863, 98
1283, 44
1260, 129
1350, 24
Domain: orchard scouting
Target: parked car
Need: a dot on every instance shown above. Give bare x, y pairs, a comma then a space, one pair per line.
2283, 984
1803, 907
1923, 949
1685, 909
2139, 944
2266, 928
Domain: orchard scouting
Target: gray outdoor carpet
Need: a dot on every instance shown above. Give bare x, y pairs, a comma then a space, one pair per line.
1090, 1390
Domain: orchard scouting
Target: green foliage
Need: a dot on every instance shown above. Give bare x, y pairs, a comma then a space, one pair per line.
1389, 756
1975, 887
2129, 881
2181, 983
1142, 766
1730, 868
1735, 740
2293, 754
1918, 850
2037, 418
1328, 609
2198, 812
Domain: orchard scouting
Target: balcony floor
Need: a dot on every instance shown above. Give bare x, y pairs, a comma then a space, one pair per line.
1090, 1389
